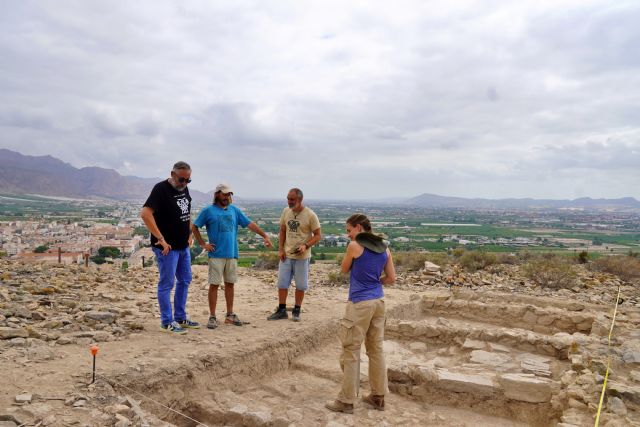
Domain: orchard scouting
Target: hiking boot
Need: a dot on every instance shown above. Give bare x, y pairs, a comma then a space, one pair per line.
188, 324
212, 323
376, 401
338, 406
173, 328
232, 319
280, 313
295, 315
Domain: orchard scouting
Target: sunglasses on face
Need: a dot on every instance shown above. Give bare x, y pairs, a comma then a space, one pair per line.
182, 180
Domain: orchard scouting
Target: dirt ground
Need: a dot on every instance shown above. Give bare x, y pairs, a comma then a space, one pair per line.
489, 350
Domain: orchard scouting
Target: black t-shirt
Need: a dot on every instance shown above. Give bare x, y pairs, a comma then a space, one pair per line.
172, 212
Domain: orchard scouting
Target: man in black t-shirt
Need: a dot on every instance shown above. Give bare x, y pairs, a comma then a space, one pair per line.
167, 215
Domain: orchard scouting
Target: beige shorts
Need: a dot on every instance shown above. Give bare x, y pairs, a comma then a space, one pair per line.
223, 268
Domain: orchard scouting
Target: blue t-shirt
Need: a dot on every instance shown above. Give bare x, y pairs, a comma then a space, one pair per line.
222, 229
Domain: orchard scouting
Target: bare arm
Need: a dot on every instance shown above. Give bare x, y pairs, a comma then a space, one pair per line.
389, 277
281, 238
316, 236
256, 229
209, 247
147, 217
348, 258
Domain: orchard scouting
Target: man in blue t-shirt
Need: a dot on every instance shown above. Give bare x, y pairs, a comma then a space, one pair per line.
222, 220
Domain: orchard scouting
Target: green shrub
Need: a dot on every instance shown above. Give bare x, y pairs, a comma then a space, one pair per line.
551, 272
98, 259
583, 257
267, 261
477, 260
623, 266
41, 249
458, 252
109, 252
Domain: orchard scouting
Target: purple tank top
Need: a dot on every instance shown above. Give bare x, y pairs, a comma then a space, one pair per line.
364, 283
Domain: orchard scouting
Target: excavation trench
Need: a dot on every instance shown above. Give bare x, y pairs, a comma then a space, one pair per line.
445, 368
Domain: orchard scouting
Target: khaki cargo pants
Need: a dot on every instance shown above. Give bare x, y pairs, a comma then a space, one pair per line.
362, 321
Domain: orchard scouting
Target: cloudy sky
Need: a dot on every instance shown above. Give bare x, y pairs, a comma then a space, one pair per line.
344, 99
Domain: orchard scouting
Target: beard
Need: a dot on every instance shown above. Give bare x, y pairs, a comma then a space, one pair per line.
177, 186
222, 202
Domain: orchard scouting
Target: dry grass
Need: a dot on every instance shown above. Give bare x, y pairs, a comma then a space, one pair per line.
414, 261
623, 266
336, 277
477, 260
552, 272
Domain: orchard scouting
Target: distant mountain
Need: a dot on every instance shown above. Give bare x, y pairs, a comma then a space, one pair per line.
435, 201
48, 176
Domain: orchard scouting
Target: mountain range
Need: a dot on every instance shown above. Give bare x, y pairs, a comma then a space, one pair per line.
435, 201
48, 176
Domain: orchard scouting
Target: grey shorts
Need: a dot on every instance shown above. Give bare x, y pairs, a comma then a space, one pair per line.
223, 270
296, 269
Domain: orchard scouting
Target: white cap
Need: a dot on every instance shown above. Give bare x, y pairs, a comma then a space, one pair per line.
225, 188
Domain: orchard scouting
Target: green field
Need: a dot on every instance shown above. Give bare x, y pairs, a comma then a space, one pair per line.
407, 228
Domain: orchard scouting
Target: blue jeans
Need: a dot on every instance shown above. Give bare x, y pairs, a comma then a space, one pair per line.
297, 269
175, 266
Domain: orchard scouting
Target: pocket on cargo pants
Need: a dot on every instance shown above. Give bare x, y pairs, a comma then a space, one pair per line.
345, 332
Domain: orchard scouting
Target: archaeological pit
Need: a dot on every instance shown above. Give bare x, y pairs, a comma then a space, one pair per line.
456, 356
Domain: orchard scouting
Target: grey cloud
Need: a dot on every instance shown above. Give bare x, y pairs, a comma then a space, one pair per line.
25, 119
148, 126
108, 124
234, 126
593, 39
388, 132
614, 153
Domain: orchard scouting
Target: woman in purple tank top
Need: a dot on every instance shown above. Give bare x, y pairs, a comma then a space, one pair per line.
370, 266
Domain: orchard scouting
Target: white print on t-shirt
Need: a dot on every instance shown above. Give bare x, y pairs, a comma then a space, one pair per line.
183, 204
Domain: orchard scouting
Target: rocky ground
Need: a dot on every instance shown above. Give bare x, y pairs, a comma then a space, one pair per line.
487, 348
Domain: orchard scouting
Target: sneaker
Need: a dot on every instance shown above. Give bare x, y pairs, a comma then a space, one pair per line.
376, 401
173, 327
188, 324
232, 319
279, 314
338, 406
295, 316
212, 323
